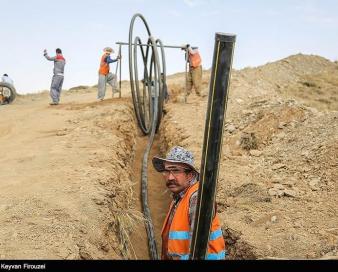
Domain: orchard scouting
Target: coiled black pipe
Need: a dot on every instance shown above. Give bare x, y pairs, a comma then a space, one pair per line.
148, 106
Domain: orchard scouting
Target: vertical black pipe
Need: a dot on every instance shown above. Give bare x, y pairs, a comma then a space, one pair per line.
120, 60
212, 144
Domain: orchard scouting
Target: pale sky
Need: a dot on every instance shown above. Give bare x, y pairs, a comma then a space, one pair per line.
266, 31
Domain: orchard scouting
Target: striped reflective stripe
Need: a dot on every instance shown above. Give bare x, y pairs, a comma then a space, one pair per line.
184, 235
216, 256
184, 257
211, 256
179, 235
215, 234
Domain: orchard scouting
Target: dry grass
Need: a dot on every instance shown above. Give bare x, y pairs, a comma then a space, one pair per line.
319, 91
125, 217
125, 223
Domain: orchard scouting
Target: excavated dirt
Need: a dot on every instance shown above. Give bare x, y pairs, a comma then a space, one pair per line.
70, 181
277, 190
158, 196
65, 181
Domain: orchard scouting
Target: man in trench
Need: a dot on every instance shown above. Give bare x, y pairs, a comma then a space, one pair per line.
181, 179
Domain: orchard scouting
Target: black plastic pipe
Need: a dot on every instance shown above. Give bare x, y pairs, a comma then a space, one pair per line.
148, 112
165, 46
212, 144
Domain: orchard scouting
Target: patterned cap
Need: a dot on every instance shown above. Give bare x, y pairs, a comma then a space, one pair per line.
108, 49
176, 154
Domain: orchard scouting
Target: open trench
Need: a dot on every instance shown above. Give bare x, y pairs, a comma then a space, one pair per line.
81, 190
158, 196
126, 234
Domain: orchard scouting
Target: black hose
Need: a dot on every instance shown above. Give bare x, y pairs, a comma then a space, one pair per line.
148, 110
163, 79
144, 174
133, 70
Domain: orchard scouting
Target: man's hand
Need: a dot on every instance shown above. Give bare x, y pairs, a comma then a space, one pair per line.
45, 51
185, 46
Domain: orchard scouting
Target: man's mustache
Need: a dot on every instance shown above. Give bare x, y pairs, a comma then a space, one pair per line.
170, 182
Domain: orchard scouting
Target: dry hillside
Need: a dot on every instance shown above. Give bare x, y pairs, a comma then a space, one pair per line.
71, 184
278, 191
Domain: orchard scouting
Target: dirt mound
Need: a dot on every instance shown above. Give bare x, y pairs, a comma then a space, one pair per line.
319, 91
277, 188
66, 192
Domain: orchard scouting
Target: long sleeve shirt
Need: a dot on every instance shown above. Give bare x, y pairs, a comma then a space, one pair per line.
59, 63
110, 60
7, 79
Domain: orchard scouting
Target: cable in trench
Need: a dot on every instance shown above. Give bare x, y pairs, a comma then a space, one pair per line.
148, 107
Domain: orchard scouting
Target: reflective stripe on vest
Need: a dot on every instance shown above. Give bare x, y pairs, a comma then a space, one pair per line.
185, 235
216, 256
211, 256
180, 235
215, 235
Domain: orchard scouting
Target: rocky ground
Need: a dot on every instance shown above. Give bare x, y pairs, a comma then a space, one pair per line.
277, 190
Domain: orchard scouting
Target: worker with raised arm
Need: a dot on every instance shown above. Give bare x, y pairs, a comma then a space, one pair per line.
58, 75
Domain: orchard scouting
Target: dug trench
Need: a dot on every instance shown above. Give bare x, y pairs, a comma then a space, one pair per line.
70, 189
159, 198
130, 229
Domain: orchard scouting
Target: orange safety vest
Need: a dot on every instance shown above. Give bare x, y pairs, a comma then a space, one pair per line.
195, 60
104, 66
180, 233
